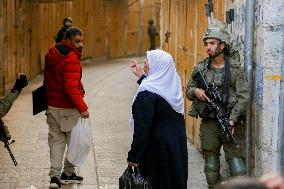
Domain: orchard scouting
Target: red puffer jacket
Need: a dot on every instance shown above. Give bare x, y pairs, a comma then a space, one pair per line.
62, 77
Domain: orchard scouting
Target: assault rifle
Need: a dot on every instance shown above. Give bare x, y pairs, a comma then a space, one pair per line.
5, 140
215, 104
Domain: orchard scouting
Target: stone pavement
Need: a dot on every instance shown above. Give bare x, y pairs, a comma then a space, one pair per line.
110, 87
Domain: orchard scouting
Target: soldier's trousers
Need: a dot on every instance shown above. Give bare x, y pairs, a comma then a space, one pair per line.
61, 122
152, 43
212, 139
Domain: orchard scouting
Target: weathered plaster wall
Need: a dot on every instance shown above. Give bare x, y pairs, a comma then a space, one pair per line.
269, 56
268, 73
268, 131
281, 117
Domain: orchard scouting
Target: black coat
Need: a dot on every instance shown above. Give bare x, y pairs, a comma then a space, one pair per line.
159, 142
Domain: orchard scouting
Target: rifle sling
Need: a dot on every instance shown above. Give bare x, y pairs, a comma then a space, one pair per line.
227, 79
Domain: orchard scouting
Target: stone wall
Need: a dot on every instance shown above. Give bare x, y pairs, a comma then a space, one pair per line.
268, 113
268, 78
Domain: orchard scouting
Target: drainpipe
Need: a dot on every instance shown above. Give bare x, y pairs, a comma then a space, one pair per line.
281, 119
248, 63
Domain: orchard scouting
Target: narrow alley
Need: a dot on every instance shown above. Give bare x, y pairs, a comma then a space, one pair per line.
110, 86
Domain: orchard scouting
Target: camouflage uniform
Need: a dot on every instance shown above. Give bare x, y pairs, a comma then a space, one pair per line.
7, 102
211, 136
5, 105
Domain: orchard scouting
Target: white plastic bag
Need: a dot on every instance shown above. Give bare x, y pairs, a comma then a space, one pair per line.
80, 142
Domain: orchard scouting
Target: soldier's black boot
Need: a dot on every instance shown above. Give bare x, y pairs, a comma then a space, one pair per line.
212, 170
237, 167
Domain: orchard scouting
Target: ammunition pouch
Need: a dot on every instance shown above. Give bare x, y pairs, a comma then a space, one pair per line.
231, 103
199, 108
205, 112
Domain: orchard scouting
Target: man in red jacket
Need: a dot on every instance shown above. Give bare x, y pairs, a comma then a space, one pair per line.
65, 92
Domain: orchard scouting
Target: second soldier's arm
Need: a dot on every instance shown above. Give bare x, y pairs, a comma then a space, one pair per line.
242, 96
7, 102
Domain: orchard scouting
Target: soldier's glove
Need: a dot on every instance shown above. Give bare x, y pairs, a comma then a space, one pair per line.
20, 83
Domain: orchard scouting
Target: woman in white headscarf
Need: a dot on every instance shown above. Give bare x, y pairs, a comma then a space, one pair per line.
159, 144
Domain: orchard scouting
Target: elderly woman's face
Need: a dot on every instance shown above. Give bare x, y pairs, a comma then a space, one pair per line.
146, 67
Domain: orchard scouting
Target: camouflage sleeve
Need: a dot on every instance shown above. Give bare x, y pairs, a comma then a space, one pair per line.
191, 86
242, 96
7, 102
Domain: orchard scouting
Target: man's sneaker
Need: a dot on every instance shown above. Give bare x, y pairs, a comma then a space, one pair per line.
73, 179
54, 183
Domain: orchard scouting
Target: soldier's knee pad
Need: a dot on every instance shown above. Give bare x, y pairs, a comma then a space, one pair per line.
237, 167
212, 170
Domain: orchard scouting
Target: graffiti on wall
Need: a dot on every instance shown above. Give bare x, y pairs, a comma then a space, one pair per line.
259, 86
238, 31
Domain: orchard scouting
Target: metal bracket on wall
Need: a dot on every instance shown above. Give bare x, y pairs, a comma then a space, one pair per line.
230, 17
167, 34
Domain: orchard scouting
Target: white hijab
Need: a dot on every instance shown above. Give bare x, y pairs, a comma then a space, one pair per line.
163, 79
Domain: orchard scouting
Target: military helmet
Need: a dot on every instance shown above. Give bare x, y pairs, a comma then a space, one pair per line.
217, 30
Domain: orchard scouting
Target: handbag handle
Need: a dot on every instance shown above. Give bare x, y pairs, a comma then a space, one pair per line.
134, 170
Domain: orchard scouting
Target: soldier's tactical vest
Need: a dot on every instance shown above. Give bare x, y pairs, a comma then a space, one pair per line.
199, 108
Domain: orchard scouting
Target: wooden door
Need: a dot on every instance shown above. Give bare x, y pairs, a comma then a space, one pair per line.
10, 40
166, 16
187, 67
151, 10
196, 25
132, 27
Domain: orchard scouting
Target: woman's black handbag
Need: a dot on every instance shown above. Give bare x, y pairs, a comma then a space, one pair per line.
132, 179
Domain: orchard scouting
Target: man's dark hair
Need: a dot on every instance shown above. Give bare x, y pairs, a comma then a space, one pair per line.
226, 50
73, 31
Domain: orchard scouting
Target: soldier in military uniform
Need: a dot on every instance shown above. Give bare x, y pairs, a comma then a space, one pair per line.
152, 32
224, 71
7, 102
